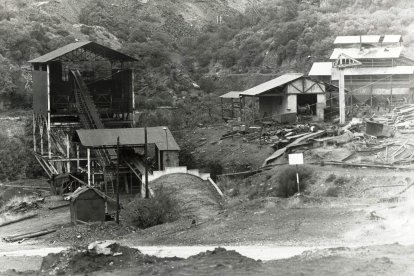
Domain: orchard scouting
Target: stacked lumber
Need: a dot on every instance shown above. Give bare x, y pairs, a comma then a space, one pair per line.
404, 116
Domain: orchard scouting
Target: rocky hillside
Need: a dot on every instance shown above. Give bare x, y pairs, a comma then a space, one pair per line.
188, 49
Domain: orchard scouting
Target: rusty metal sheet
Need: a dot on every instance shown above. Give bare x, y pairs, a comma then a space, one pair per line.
378, 129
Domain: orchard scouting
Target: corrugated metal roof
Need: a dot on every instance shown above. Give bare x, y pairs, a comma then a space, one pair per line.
231, 95
392, 39
325, 69
264, 87
368, 53
127, 137
357, 39
321, 69
397, 70
90, 46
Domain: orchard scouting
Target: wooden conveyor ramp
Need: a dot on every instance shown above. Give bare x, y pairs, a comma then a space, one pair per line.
90, 119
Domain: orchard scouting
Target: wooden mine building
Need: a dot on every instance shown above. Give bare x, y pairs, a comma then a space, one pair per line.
83, 100
280, 99
386, 75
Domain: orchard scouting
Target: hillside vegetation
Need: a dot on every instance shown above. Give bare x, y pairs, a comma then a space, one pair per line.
185, 56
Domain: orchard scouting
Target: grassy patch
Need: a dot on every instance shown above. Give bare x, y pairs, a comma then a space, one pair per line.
330, 178
333, 191
282, 184
340, 181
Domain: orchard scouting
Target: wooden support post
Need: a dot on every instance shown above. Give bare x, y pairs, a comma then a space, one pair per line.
331, 103
67, 153
41, 138
34, 132
88, 155
159, 160
133, 97
351, 102
342, 118
117, 181
126, 183
49, 142
77, 156
145, 163
391, 93
240, 109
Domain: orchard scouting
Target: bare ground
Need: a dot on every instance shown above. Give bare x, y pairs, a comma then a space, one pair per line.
311, 221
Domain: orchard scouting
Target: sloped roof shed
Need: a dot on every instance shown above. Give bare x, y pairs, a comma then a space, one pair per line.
97, 138
274, 83
90, 50
87, 204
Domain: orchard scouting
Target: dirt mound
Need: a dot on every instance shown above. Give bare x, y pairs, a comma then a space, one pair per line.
197, 198
81, 234
86, 260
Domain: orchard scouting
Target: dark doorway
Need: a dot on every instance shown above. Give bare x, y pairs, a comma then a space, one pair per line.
307, 104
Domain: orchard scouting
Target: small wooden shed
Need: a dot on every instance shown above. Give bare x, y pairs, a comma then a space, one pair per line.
87, 204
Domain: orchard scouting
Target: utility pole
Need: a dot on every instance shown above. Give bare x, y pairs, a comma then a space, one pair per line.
341, 63
146, 164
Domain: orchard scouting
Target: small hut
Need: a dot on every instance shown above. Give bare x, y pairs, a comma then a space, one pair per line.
87, 204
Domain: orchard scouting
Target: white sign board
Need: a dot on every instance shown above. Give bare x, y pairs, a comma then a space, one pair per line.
296, 159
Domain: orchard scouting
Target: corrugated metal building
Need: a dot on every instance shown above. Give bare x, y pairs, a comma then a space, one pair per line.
386, 73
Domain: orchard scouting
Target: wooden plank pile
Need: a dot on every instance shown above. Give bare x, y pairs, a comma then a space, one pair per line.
404, 116
398, 153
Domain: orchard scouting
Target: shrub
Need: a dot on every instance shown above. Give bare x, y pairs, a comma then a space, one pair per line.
341, 181
330, 178
333, 191
286, 179
147, 212
215, 169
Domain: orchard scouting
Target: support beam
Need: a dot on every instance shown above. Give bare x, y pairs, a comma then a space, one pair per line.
41, 138
133, 97
34, 132
88, 154
341, 96
67, 153
49, 143
77, 156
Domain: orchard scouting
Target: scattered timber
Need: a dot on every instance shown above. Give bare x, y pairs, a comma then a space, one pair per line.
29, 235
363, 165
25, 187
17, 220
297, 142
59, 206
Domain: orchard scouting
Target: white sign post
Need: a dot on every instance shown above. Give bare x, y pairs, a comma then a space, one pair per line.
296, 159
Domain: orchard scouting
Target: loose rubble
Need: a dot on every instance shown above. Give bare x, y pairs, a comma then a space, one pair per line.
371, 140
